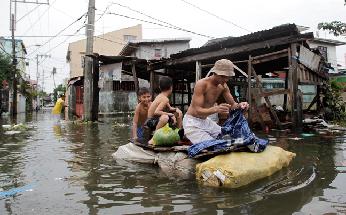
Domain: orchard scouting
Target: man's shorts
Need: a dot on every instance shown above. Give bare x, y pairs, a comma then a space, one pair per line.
198, 130
152, 122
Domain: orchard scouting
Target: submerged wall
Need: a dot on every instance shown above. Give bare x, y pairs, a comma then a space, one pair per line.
117, 101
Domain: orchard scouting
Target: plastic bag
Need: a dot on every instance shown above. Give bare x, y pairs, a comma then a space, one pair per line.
166, 136
241, 168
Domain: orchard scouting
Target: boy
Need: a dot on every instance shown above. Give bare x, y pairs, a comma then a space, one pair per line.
160, 111
141, 112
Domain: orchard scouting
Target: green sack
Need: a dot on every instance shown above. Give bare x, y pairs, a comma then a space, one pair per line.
166, 136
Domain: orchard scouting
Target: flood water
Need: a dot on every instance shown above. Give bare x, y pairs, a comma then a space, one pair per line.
68, 169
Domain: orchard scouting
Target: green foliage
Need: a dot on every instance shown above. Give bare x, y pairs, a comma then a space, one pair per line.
335, 108
5, 68
59, 89
336, 27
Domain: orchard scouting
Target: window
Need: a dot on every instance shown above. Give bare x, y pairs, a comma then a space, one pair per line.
123, 86
128, 38
323, 51
158, 53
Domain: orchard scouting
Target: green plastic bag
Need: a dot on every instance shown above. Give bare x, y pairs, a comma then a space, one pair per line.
166, 136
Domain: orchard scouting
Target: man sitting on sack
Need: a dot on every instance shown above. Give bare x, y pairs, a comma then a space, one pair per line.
197, 126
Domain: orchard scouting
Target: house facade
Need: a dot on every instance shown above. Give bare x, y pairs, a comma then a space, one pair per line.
6, 92
117, 88
107, 44
151, 49
110, 43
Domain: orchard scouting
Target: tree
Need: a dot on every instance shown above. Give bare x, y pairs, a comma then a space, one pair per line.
60, 88
335, 27
5, 68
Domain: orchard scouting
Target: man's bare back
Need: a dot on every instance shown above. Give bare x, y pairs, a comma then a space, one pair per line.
159, 100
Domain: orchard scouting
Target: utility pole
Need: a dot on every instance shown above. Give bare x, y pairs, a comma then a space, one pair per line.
88, 65
53, 73
13, 17
38, 75
14, 66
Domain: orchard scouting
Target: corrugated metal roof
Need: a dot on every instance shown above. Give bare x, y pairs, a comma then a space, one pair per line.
226, 42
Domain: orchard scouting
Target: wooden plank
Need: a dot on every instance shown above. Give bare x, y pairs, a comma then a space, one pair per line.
152, 83
309, 94
198, 70
314, 100
259, 85
274, 92
270, 58
236, 50
258, 114
258, 57
182, 93
189, 94
286, 78
293, 80
299, 109
234, 62
135, 79
309, 59
318, 101
272, 111
309, 83
249, 70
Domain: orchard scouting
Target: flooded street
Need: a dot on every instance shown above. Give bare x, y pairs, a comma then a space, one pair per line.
68, 169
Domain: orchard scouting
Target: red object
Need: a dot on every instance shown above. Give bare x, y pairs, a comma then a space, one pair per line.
266, 129
79, 101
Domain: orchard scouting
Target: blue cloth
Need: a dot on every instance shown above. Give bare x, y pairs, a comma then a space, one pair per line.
14, 191
140, 132
236, 133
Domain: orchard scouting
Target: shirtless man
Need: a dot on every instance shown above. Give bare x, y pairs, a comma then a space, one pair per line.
197, 126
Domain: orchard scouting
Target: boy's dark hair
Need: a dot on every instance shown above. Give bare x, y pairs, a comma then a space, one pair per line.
142, 91
165, 83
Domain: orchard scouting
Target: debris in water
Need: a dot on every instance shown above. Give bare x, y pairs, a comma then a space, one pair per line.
14, 191
295, 138
12, 132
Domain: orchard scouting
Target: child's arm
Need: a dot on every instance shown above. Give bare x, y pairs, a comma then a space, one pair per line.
135, 123
171, 109
159, 110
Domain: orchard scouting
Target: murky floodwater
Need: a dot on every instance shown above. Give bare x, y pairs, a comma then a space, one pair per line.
68, 169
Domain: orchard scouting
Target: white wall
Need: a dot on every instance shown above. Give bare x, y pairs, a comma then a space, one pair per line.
148, 51
331, 52
21, 103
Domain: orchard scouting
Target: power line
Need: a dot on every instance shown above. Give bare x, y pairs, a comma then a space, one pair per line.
64, 35
39, 18
166, 26
64, 40
28, 12
57, 34
60, 44
151, 17
156, 19
216, 16
104, 12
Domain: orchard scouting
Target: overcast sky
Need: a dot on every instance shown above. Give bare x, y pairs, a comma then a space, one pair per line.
250, 15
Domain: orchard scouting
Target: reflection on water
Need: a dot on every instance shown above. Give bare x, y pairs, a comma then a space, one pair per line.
71, 166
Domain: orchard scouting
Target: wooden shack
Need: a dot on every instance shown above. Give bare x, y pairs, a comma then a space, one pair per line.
282, 48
